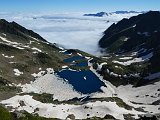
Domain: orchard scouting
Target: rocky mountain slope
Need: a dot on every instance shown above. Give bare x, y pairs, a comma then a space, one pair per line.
23, 53
131, 51
39, 80
135, 45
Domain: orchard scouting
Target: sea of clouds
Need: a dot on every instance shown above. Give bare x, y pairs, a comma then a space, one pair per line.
70, 30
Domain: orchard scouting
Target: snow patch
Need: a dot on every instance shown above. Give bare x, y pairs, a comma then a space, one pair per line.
135, 60
101, 65
125, 58
6, 56
17, 72
126, 39
5, 40
36, 49
65, 66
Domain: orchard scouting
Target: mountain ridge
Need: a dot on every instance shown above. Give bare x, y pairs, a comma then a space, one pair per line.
103, 14
13, 27
136, 41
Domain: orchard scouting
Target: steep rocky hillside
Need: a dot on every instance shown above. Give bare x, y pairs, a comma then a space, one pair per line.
23, 53
131, 56
127, 34
39, 80
133, 45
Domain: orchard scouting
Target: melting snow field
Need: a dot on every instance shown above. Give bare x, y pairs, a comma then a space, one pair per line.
144, 96
61, 90
17, 45
62, 111
51, 84
135, 60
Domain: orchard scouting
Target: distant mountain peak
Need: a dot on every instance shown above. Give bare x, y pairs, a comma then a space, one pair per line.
126, 12
14, 28
102, 14
99, 14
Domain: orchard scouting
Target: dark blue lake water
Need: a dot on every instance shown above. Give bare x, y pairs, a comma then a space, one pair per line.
74, 58
82, 64
89, 84
141, 53
67, 53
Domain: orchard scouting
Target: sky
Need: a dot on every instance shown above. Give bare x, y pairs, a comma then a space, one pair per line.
77, 5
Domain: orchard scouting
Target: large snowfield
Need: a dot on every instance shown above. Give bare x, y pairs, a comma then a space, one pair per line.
62, 111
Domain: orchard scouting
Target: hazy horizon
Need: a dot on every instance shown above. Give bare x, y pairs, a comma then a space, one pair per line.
77, 5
